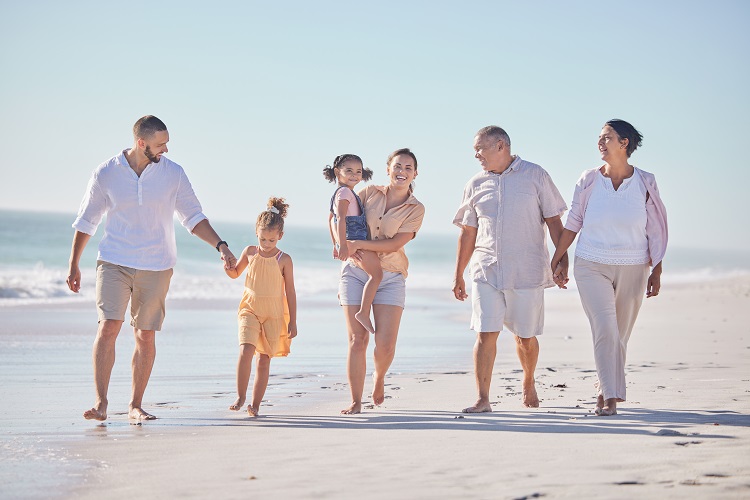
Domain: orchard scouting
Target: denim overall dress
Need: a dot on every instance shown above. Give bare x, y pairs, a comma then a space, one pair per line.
356, 225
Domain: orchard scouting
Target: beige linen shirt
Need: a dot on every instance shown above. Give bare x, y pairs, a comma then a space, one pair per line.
508, 211
404, 218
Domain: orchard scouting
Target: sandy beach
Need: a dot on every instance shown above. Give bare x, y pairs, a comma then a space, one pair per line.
684, 432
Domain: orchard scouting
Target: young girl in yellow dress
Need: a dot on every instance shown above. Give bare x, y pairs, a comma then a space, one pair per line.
267, 314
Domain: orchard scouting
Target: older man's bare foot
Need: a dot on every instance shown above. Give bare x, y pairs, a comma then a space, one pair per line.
599, 404
137, 413
252, 410
353, 409
481, 406
239, 403
378, 389
364, 320
530, 397
98, 412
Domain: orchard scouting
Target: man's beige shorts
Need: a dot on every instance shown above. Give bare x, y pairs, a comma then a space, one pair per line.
521, 311
145, 290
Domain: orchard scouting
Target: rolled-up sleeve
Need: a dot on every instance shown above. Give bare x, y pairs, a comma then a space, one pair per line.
550, 199
93, 207
188, 208
466, 214
413, 221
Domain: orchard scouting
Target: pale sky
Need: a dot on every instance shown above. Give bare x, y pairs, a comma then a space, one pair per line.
260, 96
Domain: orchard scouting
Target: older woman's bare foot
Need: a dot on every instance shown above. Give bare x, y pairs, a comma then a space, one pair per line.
378, 389
364, 320
98, 412
481, 406
609, 408
252, 411
353, 409
137, 413
239, 403
530, 397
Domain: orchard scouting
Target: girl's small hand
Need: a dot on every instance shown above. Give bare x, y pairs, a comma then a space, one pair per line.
335, 252
292, 330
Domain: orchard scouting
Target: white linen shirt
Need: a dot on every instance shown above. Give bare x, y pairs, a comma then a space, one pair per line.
139, 229
508, 210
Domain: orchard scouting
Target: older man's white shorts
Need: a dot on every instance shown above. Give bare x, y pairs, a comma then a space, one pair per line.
521, 311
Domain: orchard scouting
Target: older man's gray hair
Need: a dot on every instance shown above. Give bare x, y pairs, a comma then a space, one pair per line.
495, 133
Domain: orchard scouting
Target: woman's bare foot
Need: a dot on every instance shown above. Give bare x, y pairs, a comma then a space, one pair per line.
98, 412
364, 320
378, 389
599, 403
252, 411
530, 397
137, 413
239, 403
481, 406
609, 408
353, 409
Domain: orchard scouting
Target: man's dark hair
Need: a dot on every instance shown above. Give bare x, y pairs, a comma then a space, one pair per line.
147, 126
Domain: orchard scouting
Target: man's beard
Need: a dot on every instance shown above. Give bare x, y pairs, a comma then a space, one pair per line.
151, 156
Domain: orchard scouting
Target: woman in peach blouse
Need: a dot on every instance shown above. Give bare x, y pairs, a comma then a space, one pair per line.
393, 216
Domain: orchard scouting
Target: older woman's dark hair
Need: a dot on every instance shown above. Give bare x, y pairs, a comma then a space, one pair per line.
626, 131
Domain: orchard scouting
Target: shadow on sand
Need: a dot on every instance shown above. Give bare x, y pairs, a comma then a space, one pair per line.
551, 420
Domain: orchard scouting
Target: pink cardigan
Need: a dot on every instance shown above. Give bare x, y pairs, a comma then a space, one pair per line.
656, 213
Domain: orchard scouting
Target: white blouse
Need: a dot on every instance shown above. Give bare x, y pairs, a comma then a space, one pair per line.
614, 225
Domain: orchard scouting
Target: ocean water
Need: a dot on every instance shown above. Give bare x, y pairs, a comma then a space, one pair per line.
35, 247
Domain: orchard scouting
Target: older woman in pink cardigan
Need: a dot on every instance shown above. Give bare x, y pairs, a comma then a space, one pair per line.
623, 237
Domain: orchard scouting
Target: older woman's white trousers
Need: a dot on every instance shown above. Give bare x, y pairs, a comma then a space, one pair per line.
611, 297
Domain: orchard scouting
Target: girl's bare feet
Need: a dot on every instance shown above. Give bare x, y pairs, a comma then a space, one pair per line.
364, 320
252, 411
239, 403
353, 409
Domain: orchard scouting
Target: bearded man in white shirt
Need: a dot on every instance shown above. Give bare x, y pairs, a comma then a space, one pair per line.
139, 190
504, 216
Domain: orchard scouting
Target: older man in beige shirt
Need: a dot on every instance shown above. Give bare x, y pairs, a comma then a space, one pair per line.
503, 217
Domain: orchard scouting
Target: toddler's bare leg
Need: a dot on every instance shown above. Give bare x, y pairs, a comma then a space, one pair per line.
244, 367
370, 265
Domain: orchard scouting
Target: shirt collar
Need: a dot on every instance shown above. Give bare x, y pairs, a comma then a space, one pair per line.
121, 160
411, 200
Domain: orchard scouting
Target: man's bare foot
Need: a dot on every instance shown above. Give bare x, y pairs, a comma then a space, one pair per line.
364, 320
138, 414
98, 412
480, 406
252, 411
378, 389
353, 409
530, 397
